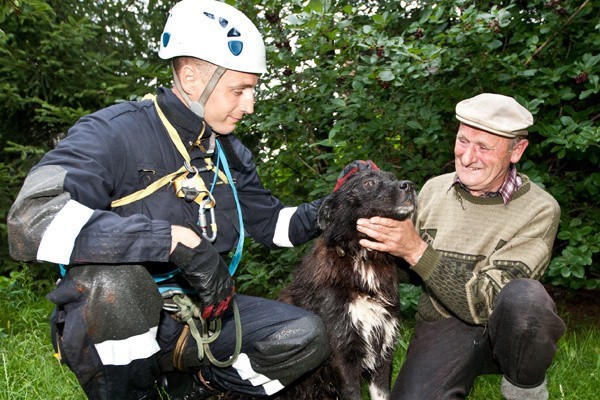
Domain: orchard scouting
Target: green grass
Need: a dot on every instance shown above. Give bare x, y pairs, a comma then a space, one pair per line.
573, 375
28, 369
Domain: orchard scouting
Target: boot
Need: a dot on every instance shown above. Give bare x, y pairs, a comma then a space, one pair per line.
182, 386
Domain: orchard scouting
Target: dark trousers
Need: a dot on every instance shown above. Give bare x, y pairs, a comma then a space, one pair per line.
110, 329
519, 341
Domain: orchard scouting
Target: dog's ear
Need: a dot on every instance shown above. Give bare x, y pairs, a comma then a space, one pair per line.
324, 215
335, 217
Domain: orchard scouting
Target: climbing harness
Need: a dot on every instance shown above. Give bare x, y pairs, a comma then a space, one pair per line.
181, 179
189, 185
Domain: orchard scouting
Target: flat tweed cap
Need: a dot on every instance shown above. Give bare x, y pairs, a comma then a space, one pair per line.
495, 113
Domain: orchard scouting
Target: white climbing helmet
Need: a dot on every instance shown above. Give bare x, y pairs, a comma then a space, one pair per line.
215, 32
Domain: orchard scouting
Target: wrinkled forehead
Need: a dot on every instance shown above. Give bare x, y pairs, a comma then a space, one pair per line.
478, 137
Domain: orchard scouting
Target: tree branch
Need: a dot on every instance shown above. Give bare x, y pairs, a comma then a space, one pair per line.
551, 38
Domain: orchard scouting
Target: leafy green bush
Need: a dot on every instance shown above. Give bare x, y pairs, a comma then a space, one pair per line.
379, 81
264, 273
409, 299
575, 265
347, 80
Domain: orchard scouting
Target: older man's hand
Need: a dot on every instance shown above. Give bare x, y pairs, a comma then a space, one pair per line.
398, 238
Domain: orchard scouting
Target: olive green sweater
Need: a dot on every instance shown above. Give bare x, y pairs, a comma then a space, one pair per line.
477, 245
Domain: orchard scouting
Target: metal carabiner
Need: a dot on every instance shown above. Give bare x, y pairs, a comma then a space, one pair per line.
190, 168
202, 220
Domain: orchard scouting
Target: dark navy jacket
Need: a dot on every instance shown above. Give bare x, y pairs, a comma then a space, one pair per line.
63, 213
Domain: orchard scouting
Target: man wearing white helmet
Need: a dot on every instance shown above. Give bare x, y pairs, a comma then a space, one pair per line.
235, 52
140, 202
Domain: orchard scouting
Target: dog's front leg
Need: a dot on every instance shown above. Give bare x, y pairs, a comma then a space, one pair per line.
348, 377
380, 380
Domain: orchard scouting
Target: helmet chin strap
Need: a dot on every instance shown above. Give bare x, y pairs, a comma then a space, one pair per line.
197, 107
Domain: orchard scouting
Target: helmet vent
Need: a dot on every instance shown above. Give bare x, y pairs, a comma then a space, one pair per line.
236, 47
165, 38
233, 33
223, 22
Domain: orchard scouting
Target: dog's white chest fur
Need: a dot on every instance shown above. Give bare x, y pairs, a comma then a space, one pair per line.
371, 319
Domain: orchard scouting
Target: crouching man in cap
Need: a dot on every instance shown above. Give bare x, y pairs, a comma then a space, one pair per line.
483, 238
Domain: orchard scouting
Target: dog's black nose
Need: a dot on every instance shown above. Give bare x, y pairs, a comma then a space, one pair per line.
406, 185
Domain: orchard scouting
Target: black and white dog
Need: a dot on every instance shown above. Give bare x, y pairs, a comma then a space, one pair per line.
355, 291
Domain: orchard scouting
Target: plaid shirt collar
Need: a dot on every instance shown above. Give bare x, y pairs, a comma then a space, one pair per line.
511, 184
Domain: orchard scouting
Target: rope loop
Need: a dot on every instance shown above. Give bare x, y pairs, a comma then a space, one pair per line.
188, 311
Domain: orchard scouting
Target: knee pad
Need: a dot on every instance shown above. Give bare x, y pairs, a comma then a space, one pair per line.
296, 348
102, 312
118, 298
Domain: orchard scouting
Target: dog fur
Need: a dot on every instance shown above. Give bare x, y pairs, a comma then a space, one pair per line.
353, 290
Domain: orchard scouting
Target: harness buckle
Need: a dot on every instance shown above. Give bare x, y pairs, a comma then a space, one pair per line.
189, 187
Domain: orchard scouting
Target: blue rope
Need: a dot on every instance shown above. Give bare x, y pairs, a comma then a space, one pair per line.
237, 256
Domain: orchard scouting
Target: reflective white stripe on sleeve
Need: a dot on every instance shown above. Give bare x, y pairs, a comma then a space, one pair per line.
244, 369
123, 352
281, 237
58, 240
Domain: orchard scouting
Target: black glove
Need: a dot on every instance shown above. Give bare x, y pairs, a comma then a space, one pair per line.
351, 169
207, 273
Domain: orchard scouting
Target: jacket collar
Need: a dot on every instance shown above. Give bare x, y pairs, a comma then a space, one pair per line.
187, 124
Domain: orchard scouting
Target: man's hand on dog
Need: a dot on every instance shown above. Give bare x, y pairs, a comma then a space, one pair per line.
398, 238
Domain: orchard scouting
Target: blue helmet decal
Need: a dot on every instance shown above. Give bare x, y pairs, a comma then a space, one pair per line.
165, 38
236, 47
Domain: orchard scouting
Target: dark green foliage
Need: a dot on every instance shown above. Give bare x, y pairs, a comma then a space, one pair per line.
347, 80
409, 299
63, 59
372, 80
